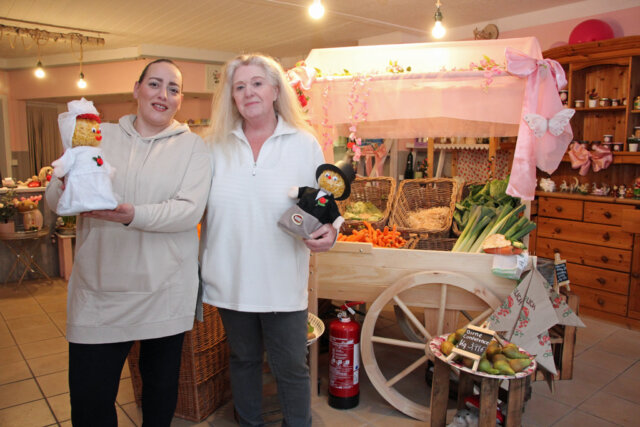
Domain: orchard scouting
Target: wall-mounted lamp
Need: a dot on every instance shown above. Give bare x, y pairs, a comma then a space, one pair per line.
316, 10
438, 30
39, 71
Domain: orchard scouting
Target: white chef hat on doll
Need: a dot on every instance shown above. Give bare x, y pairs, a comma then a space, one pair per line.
67, 121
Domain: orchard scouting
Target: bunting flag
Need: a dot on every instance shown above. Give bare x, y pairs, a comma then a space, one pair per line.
528, 313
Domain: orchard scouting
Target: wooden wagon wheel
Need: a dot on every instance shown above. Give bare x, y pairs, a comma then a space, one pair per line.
441, 295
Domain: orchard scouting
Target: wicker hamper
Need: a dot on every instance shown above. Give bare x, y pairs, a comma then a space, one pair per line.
416, 194
379, 191
203, 385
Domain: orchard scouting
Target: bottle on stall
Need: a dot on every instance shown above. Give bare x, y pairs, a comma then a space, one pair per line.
408, 171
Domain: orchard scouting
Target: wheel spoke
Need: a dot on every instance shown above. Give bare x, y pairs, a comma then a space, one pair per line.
399, 343
443, 304
419, 326
406, 371
482, 316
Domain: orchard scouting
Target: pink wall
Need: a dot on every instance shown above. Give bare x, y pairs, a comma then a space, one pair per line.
119, 77
624, 23
102, 79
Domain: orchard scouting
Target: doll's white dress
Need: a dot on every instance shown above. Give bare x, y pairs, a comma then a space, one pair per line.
87, 184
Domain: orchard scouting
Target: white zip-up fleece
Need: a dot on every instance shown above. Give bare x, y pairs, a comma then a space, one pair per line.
140, 281
248, 262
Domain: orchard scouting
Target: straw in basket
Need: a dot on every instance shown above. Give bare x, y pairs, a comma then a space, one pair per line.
416, 194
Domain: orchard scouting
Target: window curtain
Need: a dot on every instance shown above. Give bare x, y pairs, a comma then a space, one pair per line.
43, 135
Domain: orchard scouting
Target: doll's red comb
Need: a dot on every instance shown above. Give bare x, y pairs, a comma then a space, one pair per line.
93, 117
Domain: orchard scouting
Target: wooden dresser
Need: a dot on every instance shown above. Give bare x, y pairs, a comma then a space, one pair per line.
603, 260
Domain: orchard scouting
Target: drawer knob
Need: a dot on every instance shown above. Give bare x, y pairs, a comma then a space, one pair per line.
600, 301
558, 208
601, 280
557, 230
606, 237
604, 258
607, 215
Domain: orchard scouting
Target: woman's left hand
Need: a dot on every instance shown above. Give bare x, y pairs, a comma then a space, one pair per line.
322, 239
123, 214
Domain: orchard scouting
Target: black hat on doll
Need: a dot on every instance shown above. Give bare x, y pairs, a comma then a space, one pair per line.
345, 170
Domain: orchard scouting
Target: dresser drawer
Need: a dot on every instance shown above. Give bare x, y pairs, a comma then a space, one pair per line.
583, 232
598, 278
583, 254
603, 213
560, 208
598, 300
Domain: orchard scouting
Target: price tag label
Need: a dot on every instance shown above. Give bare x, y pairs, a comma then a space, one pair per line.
562, 276
475, 341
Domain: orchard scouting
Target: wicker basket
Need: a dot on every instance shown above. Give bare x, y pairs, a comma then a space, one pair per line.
203, 385
379, 191
435, 244
416, 194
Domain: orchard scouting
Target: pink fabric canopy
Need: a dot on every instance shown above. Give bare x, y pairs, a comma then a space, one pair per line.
443, 95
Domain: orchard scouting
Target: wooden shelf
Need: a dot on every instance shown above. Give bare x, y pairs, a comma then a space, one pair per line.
601, 109
619, 158
588, 197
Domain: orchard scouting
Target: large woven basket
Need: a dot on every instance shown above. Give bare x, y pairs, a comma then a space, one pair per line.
379, 191
203, 385
434, 244
416, 194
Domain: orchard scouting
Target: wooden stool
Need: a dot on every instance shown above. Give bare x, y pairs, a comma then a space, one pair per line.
488, 396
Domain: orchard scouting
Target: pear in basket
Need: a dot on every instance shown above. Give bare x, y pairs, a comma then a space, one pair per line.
317, 206
86, 174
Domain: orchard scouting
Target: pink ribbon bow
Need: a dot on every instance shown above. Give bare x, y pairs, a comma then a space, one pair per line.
600, 158
541, 98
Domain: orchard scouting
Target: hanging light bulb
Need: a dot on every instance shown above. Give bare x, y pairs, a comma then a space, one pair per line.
316, 10
438, 30
39, 71
81, 82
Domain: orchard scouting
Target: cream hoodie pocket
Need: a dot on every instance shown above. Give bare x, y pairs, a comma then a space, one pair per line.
113, 259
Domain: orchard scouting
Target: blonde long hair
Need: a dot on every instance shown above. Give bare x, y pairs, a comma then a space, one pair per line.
225, 115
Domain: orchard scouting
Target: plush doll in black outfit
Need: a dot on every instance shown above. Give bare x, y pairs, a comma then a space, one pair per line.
317, 206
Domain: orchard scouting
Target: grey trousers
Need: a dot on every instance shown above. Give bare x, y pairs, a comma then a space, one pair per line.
284, 335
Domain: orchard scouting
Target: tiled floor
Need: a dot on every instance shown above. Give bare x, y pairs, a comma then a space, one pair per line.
34, 391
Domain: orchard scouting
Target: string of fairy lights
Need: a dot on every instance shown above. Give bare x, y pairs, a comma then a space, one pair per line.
30, 37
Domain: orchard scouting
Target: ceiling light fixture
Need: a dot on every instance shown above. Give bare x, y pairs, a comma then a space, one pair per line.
81, 81
438, 30
39, 71
316, 10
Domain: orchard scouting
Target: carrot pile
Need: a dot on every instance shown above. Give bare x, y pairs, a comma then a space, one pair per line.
382, 238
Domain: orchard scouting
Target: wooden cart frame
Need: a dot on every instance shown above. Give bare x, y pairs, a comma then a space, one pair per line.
361, 272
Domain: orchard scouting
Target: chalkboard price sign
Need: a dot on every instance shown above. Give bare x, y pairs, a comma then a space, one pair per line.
562, 276
475, 341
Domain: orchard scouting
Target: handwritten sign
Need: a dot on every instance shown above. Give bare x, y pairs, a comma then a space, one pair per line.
562, 276
473, 344
474, 341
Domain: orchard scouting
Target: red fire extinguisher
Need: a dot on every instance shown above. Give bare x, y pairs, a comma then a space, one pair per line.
344, 360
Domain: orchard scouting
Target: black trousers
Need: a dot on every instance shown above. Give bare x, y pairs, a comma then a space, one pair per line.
94, 377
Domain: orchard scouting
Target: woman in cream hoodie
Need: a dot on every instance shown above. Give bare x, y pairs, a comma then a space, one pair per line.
135, 274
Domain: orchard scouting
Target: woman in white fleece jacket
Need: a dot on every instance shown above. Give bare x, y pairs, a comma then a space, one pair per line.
253, 271
135, 274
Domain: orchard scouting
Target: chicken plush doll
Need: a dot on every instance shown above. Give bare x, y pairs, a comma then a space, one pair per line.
87, 176
317, 206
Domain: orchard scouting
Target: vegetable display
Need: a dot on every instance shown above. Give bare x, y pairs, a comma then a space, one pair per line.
386, 238
488, 211
363, 211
